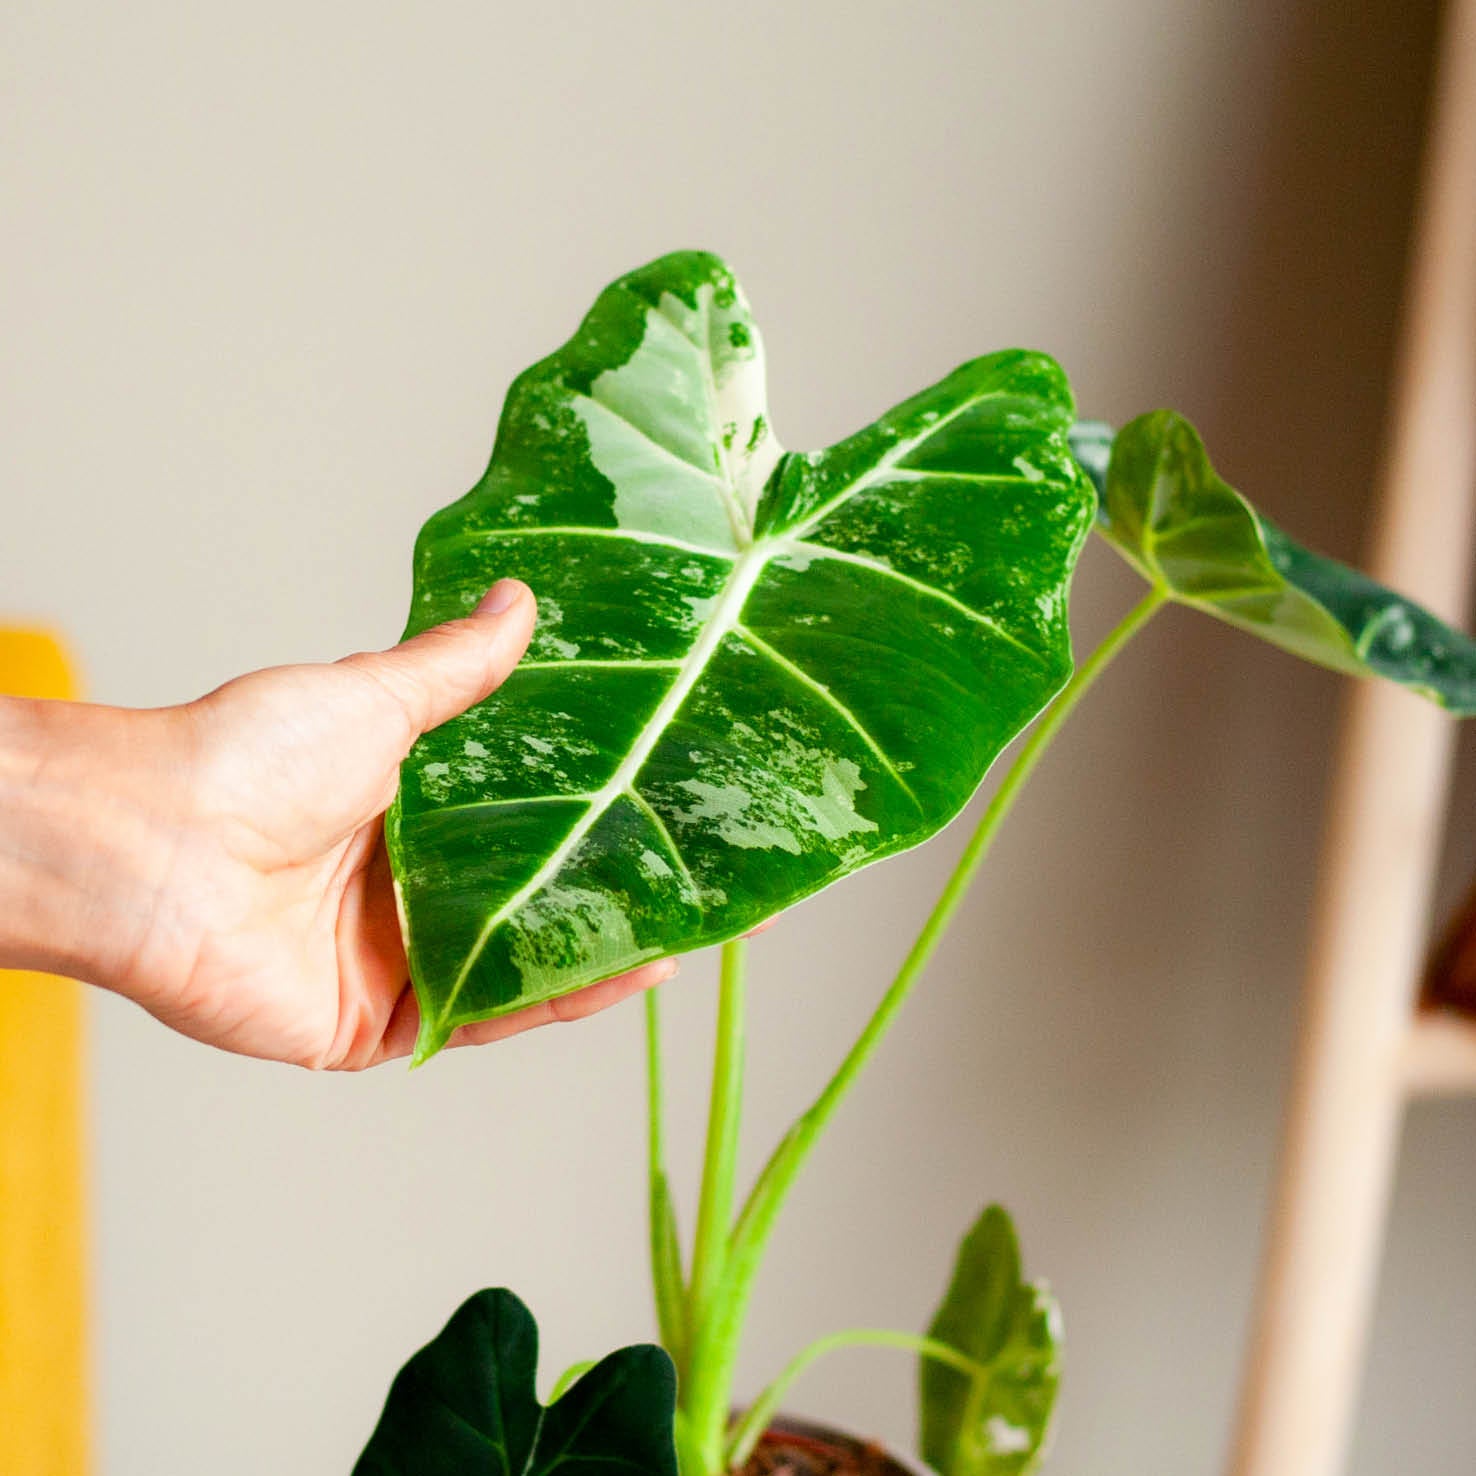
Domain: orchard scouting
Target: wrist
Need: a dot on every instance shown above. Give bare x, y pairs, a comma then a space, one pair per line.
84, 837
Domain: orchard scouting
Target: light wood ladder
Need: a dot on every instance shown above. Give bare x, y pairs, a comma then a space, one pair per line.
1364, 1050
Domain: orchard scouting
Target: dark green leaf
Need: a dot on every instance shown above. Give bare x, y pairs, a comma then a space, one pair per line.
753, 672
1184, 529
467, 1403
996, 1426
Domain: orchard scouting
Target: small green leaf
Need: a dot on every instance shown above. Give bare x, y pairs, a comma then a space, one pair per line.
996, 1426
467, 1402
1164, 508
753, 673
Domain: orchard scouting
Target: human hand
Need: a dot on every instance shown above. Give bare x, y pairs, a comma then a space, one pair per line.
222, 863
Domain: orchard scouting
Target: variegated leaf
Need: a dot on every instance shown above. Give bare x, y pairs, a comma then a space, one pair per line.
753, 672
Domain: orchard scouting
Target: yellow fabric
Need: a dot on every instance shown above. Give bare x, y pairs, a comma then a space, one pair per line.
43, 1350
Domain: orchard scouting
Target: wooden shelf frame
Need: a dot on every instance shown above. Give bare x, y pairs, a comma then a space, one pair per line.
1440, 1055
1363, 1051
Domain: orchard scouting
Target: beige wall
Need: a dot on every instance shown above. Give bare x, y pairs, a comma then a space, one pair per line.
265, 273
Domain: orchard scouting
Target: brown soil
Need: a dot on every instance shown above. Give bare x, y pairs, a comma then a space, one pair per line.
783, 1454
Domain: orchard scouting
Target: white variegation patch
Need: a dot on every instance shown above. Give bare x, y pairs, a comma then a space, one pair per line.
568, 929
681, 429
1004, 1439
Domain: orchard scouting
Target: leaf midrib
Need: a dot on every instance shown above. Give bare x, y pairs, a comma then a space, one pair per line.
739, 585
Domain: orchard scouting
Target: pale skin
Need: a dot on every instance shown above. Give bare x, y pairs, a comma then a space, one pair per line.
221, 863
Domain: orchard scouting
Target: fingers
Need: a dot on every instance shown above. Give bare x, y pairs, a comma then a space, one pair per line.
443, 671
577, 1006
400, 1030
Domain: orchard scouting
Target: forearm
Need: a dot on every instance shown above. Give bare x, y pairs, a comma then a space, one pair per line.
84, 836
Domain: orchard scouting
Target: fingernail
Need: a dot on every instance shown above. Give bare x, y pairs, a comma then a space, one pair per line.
668, 972
501, 597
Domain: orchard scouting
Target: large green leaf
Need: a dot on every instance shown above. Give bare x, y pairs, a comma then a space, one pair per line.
996, 1426
467, 1402
753, 672
1171, 516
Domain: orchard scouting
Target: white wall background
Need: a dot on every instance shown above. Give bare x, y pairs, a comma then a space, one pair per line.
265, 272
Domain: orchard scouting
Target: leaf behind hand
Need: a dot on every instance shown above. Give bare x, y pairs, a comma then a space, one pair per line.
1170, 514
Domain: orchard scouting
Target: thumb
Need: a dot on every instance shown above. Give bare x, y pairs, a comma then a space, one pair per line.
444, 670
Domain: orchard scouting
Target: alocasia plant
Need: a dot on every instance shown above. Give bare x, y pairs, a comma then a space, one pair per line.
754, 672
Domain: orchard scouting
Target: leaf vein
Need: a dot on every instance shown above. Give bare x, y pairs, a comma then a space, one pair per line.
527, 799
669, 843
858, 727
821, 550
730, 604
481, 536
887, 462
638, 663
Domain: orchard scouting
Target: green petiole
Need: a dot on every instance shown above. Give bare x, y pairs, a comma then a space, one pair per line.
715, 1208
714, 1346
666, 1252
704, 1398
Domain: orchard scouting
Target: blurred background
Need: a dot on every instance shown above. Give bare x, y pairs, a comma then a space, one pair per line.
265, 274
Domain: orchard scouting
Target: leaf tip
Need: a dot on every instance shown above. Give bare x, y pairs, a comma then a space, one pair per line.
430, 1041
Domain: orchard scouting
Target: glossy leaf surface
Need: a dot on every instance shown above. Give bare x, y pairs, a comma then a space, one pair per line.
753, 672
998, 1426
467, 1401
1182, 527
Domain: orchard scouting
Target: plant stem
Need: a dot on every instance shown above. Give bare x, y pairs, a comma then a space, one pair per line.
724, 1314
666, 1251
715, 1207
756, 1419
689, 1461
719, 1168
654, 1114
